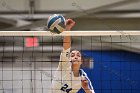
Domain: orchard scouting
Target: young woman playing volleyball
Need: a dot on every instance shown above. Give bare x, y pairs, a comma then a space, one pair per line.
69, 78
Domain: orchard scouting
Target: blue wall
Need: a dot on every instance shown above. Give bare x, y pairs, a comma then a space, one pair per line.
115, 71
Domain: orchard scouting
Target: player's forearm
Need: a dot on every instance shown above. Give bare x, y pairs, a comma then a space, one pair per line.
67, 42
67, 39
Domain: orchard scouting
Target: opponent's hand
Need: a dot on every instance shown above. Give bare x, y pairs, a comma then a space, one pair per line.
69, 24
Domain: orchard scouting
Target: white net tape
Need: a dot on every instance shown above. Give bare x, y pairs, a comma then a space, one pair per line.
72, 33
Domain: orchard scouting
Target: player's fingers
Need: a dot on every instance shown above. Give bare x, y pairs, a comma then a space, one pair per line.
84, 82
70, 22
84, 79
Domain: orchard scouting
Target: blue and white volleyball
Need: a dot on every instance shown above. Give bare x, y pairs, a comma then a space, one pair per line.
56, 23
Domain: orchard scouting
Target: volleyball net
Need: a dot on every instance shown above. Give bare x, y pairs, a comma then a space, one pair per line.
28, 59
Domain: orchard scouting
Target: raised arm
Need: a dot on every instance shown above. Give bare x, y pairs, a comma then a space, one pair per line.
67, 39
64, 58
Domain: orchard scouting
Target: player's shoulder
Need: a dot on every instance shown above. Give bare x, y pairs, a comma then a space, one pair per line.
65, 52
82, 72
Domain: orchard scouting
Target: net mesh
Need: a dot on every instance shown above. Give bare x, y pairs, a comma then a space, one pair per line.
110, 62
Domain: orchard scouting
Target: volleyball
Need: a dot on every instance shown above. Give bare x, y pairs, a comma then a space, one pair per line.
56, 23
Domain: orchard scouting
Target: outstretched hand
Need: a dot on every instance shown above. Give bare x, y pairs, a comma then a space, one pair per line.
69, 24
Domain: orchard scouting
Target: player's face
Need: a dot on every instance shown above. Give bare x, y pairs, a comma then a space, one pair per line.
76, 57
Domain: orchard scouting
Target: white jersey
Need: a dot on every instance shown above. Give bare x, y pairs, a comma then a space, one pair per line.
64, 80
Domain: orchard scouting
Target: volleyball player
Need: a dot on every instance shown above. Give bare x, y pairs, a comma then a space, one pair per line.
69, 78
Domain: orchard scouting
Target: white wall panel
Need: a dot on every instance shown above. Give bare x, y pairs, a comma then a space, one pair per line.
131, 6
71, 4
58, 5
14, 5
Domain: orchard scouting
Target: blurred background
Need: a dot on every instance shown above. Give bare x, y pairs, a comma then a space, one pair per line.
27, 64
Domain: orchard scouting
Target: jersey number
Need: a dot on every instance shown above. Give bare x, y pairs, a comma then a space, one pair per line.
65, 88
